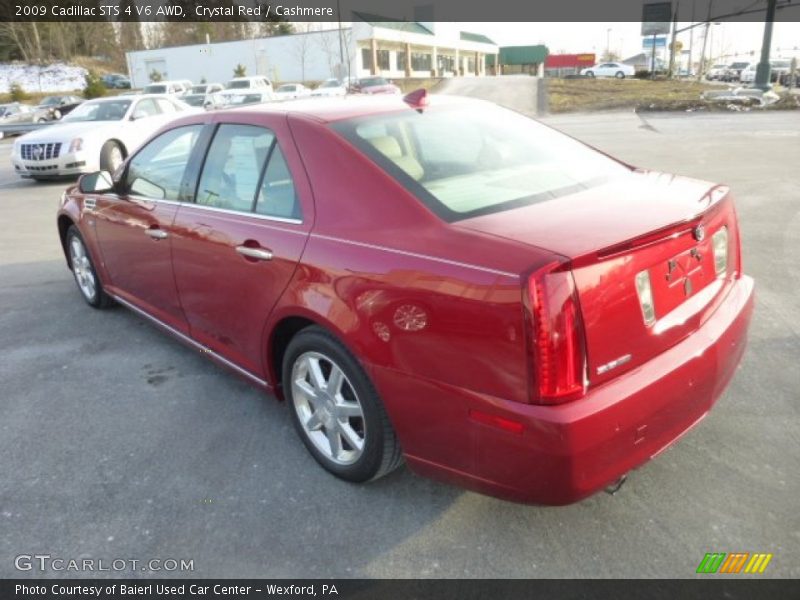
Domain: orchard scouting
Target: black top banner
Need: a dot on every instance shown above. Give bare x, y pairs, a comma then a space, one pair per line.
388, 10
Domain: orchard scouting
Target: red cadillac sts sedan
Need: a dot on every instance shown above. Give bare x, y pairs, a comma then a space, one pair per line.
437, 279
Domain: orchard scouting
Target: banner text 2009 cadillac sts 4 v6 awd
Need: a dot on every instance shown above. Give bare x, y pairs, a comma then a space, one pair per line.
431, 279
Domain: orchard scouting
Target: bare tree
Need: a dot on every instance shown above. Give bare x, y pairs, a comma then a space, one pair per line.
329, 44
302, 46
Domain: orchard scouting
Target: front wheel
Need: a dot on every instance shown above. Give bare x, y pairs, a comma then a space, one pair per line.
336, 410
620, 75
111, 157
83, 270
590, 73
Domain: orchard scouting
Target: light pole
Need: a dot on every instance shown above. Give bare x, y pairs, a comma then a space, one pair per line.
763, 68
608, 43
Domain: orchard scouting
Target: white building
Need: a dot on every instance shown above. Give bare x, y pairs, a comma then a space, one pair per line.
370, 46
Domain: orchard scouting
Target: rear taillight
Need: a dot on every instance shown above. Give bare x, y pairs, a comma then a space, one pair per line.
719, 245
559, 356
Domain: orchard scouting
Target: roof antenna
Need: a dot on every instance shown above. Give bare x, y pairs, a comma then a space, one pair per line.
418, 99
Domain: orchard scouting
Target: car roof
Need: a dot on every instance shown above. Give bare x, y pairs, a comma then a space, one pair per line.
327, 110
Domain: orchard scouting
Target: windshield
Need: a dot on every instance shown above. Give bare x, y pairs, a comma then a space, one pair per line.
113, 110
463, 162
199, 89
286, 88
50, 101
195, 99
238, 85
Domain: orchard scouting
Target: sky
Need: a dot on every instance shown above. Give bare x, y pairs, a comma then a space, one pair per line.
730, 40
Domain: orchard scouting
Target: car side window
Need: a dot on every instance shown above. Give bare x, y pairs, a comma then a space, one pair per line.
157, 169
166, 106
145, 108
277, 197
233, 167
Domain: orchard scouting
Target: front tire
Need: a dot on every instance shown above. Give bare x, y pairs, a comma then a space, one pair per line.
111, 157
83, 270
590, 74
620, 75
335, 409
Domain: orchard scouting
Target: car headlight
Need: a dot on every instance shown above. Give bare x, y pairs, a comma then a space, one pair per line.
719, 243
645, 293
76, 145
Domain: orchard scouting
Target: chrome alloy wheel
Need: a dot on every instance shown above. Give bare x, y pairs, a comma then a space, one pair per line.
115, 158
82, 269
328, 408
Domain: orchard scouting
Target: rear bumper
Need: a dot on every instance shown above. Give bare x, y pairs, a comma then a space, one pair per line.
565, 453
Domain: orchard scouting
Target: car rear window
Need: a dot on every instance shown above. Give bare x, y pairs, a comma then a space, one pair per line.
464, 162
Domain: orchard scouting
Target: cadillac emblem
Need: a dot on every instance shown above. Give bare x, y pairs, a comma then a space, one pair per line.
37, 152
699, 233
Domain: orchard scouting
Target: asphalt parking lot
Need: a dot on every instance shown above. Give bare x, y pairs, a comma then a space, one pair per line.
119, 442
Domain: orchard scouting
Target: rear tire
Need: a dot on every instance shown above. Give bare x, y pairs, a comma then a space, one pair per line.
336, 410
83, 270
620, 75
590, 74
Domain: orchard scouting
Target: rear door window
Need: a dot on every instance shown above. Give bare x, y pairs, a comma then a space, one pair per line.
276, 197
233, 167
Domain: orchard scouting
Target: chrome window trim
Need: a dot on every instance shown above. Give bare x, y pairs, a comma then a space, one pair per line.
242, 213
214, 209
190, 341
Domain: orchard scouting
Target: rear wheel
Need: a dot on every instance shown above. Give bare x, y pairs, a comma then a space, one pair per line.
336, 410
590, 73
111, 157
620, 75
83, 270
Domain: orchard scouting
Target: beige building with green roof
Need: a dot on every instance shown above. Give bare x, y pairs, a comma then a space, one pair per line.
368, 46
400, 49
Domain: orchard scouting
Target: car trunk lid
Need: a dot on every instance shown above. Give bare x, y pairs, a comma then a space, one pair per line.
646, 222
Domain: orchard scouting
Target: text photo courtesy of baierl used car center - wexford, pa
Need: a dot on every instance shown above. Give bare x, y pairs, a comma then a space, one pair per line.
399, 299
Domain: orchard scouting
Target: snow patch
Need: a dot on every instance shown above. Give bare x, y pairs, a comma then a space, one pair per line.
56, 77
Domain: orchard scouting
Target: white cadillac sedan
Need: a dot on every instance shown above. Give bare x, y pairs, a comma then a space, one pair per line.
610, 69
329, 88
97, 135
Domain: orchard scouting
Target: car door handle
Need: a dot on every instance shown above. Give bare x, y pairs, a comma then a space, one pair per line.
256, 253
156, 234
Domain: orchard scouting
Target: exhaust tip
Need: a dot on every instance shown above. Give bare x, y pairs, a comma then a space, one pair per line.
615, 487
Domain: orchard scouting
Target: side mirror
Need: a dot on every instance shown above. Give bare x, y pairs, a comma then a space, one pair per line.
96, 183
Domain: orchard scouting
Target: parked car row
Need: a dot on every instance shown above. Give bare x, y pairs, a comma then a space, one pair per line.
256, 89
51, 108
745, 72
